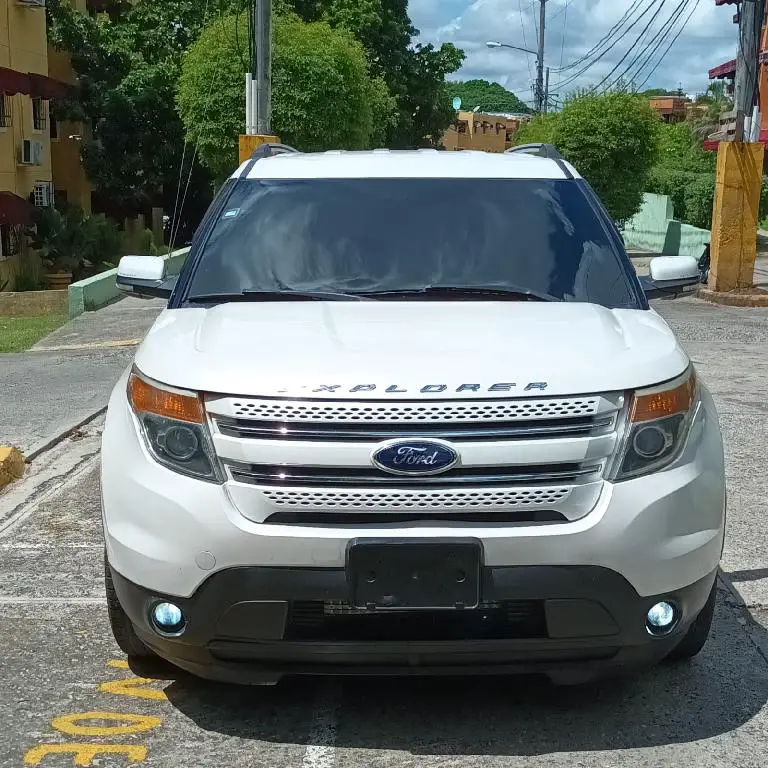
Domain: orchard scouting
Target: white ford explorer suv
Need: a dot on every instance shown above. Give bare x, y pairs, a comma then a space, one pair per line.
410, 412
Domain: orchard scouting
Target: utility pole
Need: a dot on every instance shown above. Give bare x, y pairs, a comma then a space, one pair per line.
258, 82
262, 64
750, 28
739, 171
546, 93
540, 101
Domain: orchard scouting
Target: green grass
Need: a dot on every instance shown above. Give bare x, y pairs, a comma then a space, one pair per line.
20, 333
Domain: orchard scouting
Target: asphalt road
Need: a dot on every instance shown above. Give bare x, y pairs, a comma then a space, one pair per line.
68, 376
65, 691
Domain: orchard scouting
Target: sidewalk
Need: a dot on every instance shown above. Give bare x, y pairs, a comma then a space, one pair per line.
66, 378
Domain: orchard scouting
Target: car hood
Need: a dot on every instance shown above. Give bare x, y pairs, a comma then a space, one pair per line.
370, 350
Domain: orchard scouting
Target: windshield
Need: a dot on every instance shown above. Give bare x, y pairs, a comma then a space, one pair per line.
393, 235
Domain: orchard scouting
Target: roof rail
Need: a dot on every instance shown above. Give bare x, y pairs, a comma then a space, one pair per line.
547, 151
271, 149
540, 150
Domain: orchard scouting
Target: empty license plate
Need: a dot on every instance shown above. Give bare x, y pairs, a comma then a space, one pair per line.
414, 575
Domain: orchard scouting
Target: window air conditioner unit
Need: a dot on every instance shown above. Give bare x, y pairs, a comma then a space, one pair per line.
31, 152
32, 3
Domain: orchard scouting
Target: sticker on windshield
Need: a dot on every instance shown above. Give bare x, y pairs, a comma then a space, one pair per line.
231, 213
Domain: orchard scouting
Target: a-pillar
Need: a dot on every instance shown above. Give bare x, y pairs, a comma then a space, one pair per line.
734, 216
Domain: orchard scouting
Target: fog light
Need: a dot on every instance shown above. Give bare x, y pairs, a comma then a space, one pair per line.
167, 618
662, 618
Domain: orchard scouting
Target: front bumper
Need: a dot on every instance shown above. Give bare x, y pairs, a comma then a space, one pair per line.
253, 625
171, 533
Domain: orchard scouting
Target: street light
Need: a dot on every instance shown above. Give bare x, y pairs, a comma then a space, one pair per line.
541, 96
497, 44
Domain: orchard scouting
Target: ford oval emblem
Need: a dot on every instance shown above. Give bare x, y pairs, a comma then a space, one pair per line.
415, 457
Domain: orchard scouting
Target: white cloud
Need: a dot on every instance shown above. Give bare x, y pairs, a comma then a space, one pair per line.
573, 28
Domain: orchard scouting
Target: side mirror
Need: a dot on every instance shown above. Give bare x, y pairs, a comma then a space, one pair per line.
144, 276
671, 276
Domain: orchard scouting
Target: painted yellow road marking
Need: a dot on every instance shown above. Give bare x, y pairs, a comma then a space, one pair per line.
133, 686
70, 724
83, 754
118, 664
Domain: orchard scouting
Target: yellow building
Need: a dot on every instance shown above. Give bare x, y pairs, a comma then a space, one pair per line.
25, 150
480, 131
38, 160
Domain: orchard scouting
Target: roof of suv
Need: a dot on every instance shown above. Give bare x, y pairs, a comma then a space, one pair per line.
412, 164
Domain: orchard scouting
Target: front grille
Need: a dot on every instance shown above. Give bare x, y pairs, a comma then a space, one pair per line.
340, 622
309, 462
365, 477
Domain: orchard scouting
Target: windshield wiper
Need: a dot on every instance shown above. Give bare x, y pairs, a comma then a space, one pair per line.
286, 295
470, 291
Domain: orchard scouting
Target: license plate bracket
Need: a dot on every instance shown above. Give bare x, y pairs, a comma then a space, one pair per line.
407, 575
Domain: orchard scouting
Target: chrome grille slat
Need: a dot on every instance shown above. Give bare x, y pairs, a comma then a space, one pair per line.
348, 477
306, 431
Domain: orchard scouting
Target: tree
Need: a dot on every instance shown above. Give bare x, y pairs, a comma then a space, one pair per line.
712, 103
685, 173
414, 73
490, 97
539, 130
613, 140
127, 65
323, 96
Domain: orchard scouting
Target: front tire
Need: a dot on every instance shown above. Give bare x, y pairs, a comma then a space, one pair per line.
122, 628
695, 638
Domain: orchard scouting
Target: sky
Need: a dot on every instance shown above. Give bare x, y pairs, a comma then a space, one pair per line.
573, 27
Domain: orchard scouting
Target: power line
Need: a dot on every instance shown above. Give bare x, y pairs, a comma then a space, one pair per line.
562, 37
629, 50
645, 57
674, 40
605, 39
571, 78
651, 48
525, 42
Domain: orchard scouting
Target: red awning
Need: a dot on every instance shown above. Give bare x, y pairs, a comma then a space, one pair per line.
726, 2
724, 70
13, 82
47, 88
15, 210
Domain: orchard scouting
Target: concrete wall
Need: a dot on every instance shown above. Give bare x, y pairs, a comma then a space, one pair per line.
655, 229
100, 290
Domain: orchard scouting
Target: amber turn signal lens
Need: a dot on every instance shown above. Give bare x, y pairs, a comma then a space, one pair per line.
148, 399
657, 405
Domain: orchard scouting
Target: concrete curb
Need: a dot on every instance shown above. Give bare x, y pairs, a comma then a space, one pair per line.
12, 465
735, 299
50, 442
100, 290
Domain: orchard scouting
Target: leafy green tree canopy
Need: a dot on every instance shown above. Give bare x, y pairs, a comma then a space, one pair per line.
322, 94
414, 73
490, 97
128, 65
612, 139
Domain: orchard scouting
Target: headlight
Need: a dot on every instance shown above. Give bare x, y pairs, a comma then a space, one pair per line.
174, 428
658, 424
